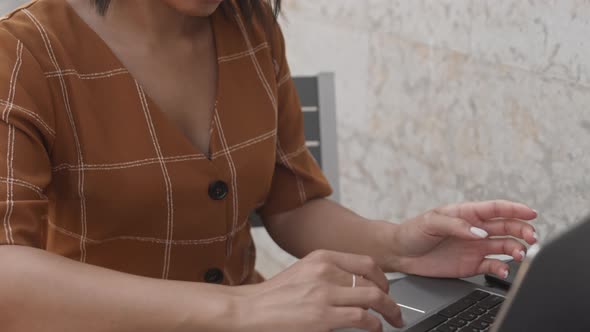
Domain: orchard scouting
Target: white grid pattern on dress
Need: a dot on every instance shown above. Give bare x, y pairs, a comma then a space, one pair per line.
286, 78
285, 161
65, 95
13, 79
227, 58
91, 76
10, 145
29, 113
196, 242
233, 173
24, 184
257, 67
9, 187
171, 159
167, 181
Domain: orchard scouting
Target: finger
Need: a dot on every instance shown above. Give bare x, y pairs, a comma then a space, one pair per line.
511, 227
372, 298
346, 279
331, 273
358, 318
363, 282
355, 264
505, 247
437, 224
482, 211
494, 266
359, 281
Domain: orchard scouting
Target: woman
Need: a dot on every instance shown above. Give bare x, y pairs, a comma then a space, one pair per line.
137, 137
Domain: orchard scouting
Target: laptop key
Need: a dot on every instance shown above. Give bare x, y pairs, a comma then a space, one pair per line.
495, 311
479, 324
466, 301
455, 308
458, 322
478, 295
470, 329
447, 328
468, 316
449, 312
491, 301
477, 310
489, 318
428, 324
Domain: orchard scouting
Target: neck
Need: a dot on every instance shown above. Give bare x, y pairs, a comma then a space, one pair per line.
153, 20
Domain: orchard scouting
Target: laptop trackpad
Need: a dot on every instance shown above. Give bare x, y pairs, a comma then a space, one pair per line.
418, 296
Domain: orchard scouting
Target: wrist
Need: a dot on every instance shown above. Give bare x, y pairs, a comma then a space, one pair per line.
215, 310
386, 235
230, 314
243, 290
248, 315
239, 313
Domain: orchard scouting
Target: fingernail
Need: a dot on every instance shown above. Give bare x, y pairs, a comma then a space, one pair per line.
535, 236
479, 232
537, 212
506, 274
522, 254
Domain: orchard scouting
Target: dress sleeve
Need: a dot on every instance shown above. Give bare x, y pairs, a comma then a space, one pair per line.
297, 176
26, 136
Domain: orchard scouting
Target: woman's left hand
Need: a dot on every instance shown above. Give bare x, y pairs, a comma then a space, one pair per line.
453, 241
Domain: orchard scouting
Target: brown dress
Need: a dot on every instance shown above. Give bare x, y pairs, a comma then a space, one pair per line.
94, 171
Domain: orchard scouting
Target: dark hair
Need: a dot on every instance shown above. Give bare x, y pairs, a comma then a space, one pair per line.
250, 9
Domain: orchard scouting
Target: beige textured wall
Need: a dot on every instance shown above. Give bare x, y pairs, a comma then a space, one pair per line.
450, 100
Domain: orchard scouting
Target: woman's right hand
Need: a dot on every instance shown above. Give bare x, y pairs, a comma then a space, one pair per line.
316, 295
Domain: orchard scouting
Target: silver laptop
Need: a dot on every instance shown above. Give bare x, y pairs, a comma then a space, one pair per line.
551, 292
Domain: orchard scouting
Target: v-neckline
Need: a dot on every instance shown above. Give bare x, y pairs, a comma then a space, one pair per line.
154, 108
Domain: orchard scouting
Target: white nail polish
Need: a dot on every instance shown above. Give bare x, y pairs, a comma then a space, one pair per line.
522, 254
479, 232
506, 274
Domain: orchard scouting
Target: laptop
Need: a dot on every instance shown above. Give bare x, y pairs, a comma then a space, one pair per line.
551, 292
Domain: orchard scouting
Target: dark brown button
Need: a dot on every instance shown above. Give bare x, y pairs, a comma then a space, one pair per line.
214, 276
218, 190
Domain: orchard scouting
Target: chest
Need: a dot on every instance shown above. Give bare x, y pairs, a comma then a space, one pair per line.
181, 81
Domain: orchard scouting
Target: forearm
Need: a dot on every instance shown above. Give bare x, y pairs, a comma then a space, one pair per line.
324, 224
42, 291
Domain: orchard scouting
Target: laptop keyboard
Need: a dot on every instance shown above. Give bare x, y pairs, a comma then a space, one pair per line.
472, 313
